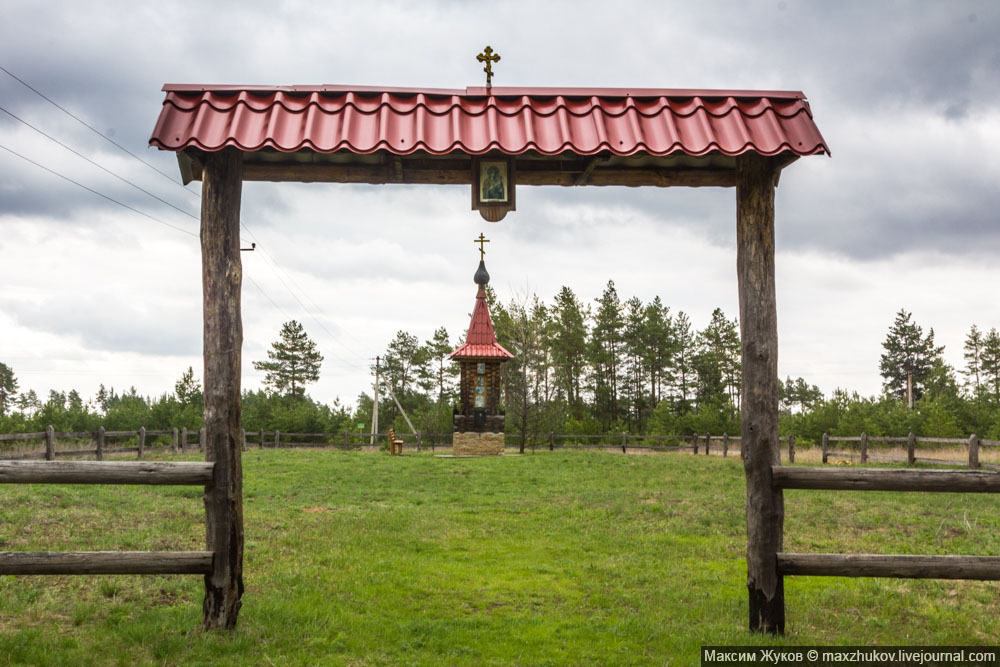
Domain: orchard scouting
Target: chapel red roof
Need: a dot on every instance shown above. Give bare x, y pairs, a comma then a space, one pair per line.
549, 121
481, 342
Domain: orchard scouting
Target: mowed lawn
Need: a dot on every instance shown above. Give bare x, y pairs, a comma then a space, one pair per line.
552, 558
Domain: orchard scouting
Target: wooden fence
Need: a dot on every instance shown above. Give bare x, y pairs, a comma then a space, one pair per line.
109, 472
973, 443
879, 565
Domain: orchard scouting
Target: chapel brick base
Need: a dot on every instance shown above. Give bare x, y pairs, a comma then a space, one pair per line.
478, 444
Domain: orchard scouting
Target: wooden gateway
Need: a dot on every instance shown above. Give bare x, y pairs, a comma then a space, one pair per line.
225, 136
479, 422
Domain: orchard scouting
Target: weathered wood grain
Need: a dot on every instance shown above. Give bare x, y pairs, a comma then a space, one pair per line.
759, 446
880, 479
106, 562
106, 472
896, 566
222, 277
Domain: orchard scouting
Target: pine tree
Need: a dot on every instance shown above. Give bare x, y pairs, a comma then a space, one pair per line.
438, 370
293, 362
187, 389
990, 363
606, 349
660, 342
682, 374
8, 387
908, 354
568, 343
972, 352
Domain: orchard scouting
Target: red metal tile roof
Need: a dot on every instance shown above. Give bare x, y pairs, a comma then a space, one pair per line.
512, 120
481, 342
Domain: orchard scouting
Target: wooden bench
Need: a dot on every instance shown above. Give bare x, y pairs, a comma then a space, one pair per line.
393, 442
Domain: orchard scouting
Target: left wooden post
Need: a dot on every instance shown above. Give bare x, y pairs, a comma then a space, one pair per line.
222, 277
759, 444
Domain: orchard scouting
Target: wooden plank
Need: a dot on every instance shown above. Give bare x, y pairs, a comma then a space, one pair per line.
22, 436
121, 434
222, 276
378, 174
765, 509
984, 568
879, 479
106, 562
160, 473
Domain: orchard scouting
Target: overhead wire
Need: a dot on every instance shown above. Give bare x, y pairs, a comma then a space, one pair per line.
93, 129
273, 263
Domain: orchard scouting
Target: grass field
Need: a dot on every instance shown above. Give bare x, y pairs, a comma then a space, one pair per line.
564, 558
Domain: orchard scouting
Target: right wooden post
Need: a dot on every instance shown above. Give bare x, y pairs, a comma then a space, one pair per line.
755, 175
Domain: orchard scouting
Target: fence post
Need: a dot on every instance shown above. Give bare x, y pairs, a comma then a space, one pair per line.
345, 441
725, 445
142, 440
974, 451
552, 441
791, 449
100, 443
50, 443
708, 444
201, 439
624, 441
243, 432
277, 438
911, 449
176, 438
260, 439
419, 443
184, 438
694, 442
864, 448
826, 440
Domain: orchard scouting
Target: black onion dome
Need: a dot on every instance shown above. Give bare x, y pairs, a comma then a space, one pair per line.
482, 277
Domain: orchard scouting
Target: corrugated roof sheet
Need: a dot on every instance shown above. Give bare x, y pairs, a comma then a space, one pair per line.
481, 341
511, 120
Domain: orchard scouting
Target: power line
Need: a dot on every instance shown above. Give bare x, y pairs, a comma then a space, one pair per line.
93, 129
81, 155
99, 194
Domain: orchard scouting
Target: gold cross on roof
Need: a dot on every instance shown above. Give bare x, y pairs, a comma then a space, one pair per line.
481, 240
488, 57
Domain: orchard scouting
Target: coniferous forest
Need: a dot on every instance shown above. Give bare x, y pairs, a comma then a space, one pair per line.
608, 365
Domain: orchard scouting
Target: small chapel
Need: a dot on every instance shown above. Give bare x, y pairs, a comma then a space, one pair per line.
478, 420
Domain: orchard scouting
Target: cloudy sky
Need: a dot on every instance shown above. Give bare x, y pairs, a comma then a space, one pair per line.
906, 214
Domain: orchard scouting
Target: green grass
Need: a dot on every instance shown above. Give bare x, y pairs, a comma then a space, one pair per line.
565, 558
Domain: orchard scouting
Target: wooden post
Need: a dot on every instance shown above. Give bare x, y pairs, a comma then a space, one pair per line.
725, 445
222, 277
911, 449
345, 440
624, 443
552, 441
184, 438
50, 443
765, 509
100, 443
176, 437
277, 438
708, 444
142, 441
260, 439
243, 435
418, 441
864, 448
974, 451
826, 442
791, 449
694, 443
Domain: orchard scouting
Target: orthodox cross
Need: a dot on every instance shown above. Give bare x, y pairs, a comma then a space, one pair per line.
488, 57
481, 240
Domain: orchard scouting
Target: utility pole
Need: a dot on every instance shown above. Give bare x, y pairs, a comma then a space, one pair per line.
371, 441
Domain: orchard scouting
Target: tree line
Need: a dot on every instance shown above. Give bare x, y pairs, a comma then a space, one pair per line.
605, 366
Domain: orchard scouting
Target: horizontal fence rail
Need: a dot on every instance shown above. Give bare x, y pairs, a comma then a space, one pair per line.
106, 562
106, 472
983, 568
878, 479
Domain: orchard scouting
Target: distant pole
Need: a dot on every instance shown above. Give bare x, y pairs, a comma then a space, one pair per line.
909, 390
371, 440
